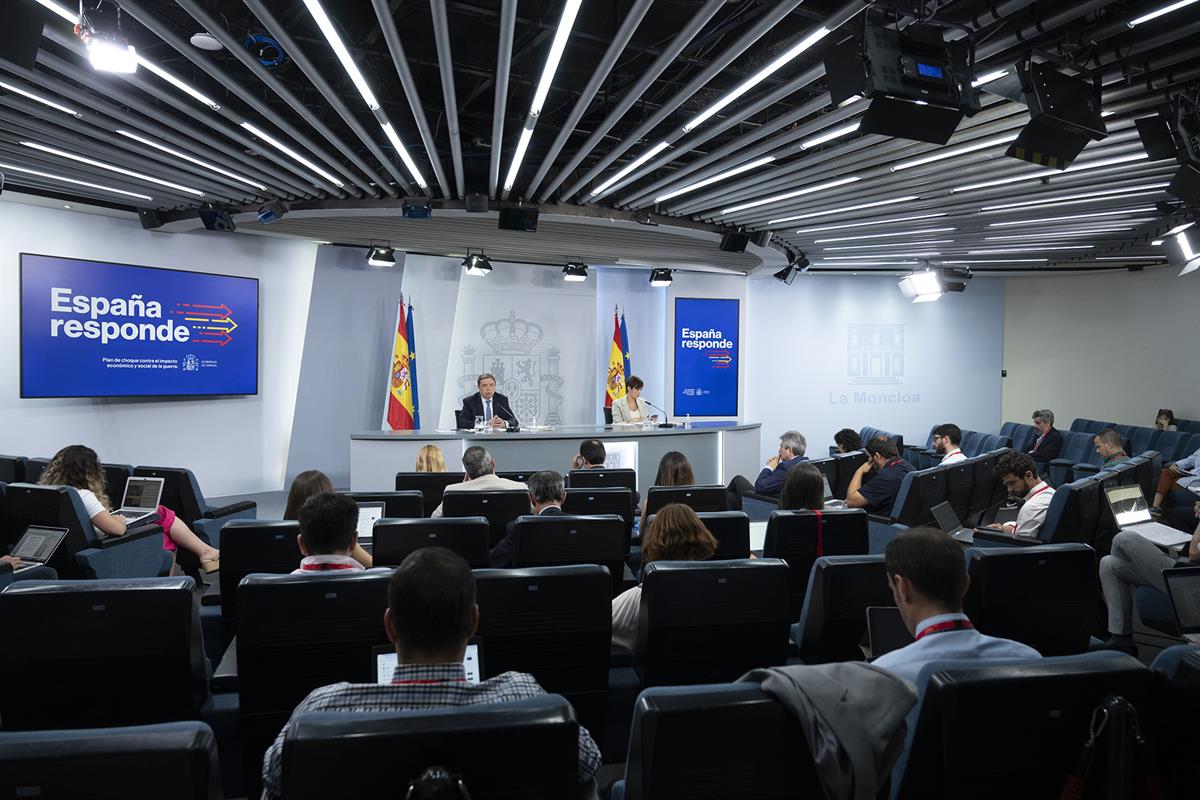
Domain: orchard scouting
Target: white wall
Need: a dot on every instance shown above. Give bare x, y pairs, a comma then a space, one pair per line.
645, 318
1115, 346
431, 284
233, 444
943, 362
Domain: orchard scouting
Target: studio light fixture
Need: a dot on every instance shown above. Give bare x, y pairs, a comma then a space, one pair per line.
99, 28
922, 287
1179, 229
283, 148
729, 173
111, 168
64, 179
198, 162
845, 209
815, 188
8, 87
660, 277
630, 167
575, 272
274, 211
381, 255
1167, 9
1191, 258
1156, 243
786, 275
477, 264
988, 77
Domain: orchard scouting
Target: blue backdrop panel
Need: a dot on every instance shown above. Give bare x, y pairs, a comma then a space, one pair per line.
94, 329
706, 357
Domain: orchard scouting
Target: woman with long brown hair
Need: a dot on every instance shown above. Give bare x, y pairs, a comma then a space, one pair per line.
308, 484
79, 467
673, 470
803, 488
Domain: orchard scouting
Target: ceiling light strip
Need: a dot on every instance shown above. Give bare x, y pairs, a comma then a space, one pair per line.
941, 155
875, 222
64, 179
820, 187
111, 168
1043, 220
283, 148
844, 209
630, 167
662, 198
39, 99
199, 162
883, 235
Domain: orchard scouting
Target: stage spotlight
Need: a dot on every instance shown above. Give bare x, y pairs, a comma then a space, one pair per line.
416, 209
575, 271
99, 28
660, 277
1064, 111
381, 256
786, 275
272, 212
477, 264
922, 287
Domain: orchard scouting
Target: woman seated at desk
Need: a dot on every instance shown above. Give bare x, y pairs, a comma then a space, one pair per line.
630, 409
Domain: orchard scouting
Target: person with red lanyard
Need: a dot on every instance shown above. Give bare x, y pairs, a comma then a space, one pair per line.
431, 615
1019, 474
946, 440
328, 534
928, 578
886, 470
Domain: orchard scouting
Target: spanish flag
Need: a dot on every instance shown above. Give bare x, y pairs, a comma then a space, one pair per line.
399, 409
614, 385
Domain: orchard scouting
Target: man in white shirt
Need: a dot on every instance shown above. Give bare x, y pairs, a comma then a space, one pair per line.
1019, 474
479, 475
328, 534
928, 578
946, 439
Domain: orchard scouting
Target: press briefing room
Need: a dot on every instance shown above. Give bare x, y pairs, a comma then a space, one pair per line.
600, 399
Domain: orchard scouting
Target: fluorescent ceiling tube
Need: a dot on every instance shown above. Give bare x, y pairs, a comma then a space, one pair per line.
925, 254
392, 137
565, 23
939, 155
283, 148
758, 77
988, 77
829, 135
827, 263
1059, 235
518, 157
1090, 197
997, 261
1042, 220
729, 173
843, 209
892, 245
631, 166
180, 154
819, 187
64, 179
1029, 249
883, 235
1179, 229
67, 14
1077, 167
875, 222
39, 99
1157, 243
179, 84
339, 49
1167, 9
112, 168
1128, 258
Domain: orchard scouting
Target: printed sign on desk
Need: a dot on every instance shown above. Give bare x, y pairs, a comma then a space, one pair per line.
706, 357
94, 329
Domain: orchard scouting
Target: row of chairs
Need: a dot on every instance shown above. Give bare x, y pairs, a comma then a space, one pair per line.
974, 443
432, 485
1095, 426
1079, 456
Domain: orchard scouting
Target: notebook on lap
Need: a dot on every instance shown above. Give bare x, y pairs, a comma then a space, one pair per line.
368, 514
141, 500
385, 662
1132, 514
37, 545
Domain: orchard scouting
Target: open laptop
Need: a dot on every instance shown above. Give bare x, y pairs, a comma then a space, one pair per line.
830, 500
947, 519
142, 496
385, 662
1131, 512
37, 546
1183, 587
368, 514
885, 630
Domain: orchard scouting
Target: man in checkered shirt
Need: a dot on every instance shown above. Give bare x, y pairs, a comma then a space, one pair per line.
430, 618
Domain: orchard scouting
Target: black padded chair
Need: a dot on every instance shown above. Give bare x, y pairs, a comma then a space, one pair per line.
847, 464
731, 529
181, 494
429, 484
254, 546
395, 539
553, 540
711, 621
171, 761
801, 537
970, 707
612, 500
500, 508
34, 467
104, 653
520, 476
833, 619
1178, 736
115, 477
396, 505
554, 623
753, 746
698, 498
295, 634
983, 487
520, 749
1042, 596
1074, 513
919, 492
12, 469
600, 478
960, 482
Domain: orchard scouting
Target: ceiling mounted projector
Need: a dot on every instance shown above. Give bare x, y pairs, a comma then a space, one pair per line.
917, 84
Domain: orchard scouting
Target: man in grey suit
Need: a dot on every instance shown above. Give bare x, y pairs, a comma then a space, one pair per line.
479, 475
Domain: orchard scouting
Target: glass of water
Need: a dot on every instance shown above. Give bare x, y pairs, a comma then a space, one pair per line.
478, 424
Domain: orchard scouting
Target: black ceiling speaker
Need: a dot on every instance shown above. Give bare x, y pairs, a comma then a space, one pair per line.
735, 242
519, 219
476, 203
21, 33
150, 218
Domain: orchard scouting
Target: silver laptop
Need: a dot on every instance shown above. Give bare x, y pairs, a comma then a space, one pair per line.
37, 545
830, 500
368, 514
385, 662
1183, 587
142, 496
1129, 508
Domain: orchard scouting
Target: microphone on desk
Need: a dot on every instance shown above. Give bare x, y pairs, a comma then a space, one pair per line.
666, 423
512, 423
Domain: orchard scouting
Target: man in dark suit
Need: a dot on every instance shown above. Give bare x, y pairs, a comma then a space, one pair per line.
771, 477
487, 403
1049, 442
546, 494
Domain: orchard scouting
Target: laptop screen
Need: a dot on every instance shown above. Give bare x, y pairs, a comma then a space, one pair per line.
385, 663
368, 514
885, 630
828, 491
1183, 585
946, 519
1128, 505
39, 543
142, 493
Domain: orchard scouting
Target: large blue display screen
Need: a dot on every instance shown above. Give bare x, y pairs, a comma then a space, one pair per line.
94, 329
706, 357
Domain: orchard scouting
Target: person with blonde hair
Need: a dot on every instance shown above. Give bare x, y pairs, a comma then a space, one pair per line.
311, 483
79, 467
430, 459
676, 534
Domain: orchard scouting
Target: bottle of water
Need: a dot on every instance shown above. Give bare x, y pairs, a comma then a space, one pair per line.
533, 423
687, 422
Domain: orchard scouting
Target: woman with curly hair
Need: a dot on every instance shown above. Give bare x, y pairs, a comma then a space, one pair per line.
79, 467
677, 534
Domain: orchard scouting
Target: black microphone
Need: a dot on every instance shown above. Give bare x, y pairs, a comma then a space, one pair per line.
513, 424
666, 423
